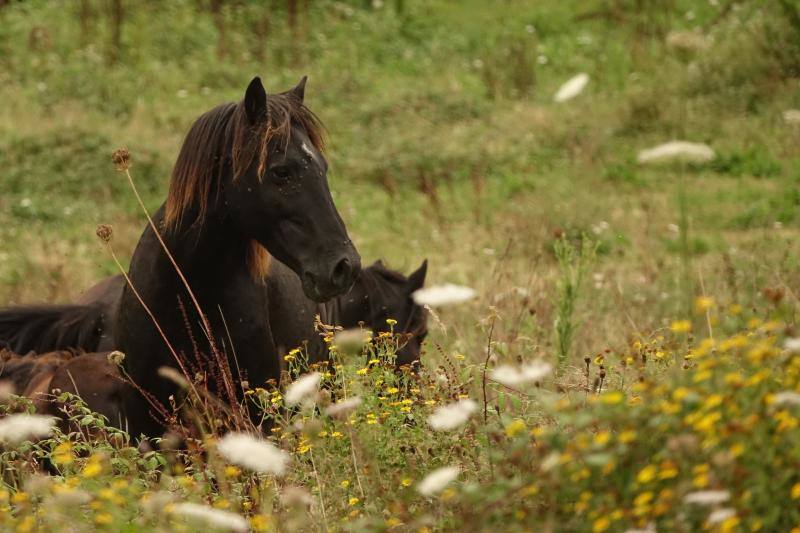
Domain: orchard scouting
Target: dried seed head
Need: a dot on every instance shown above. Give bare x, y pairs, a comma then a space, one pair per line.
116, 357
121, 158
105, 232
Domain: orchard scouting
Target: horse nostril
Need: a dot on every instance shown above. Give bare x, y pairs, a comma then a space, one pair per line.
341, 273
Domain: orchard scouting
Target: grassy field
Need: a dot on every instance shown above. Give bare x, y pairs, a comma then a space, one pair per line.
678, 283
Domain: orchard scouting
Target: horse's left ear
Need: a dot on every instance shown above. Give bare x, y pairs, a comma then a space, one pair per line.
299, 90
417, 278
255, 101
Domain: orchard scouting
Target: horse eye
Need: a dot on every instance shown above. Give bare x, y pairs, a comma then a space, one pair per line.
281, 173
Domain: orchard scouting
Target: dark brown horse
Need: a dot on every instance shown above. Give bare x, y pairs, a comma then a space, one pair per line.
378, 294
250, 181
90, 375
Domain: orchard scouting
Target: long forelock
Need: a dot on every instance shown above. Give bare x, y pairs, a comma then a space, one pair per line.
284, 111
223, 139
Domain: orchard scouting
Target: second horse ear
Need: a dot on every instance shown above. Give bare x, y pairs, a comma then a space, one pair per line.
417, 278
255, 101
299, 90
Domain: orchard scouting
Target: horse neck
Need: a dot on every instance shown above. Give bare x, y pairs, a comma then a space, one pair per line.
211, 252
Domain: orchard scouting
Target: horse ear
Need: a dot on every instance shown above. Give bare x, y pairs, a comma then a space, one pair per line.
255, 101
417, 278
299, 90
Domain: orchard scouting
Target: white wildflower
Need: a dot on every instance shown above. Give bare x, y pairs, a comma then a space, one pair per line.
531, 372
343, 408
677, 151
551, 461
792, 344
787, 397
302, 388
69, 497
792, 116
452, 415
252, 453
351, 340
154, 502
649, 528
296, 497
720, 515
687, 41
21, 427
440, 295
572, 88
707, 497
436, 481
6, 390
216, 518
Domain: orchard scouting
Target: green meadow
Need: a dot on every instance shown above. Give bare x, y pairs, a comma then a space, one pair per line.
664, 296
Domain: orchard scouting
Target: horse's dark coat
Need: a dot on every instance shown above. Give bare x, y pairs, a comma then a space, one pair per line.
263, 180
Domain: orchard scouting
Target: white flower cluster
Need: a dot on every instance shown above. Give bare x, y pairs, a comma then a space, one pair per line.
452, 416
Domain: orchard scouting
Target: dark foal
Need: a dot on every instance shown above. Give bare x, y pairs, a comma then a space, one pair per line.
250, 182
378, 294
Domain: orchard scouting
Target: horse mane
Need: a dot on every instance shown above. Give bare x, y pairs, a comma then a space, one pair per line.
223, 139
378, 269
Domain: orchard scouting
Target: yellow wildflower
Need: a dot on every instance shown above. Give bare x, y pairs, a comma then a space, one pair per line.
703, 304
353, 501
681, 326
643, 499
601, 524
668, 471
62, 454
515, 427
602, 438
260, 522
103, 519
93, 467
647, 474
612, 398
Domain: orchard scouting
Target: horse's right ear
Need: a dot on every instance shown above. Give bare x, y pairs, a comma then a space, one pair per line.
255, 101
417, 278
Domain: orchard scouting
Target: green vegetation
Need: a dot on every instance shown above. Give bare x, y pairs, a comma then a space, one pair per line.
445, 143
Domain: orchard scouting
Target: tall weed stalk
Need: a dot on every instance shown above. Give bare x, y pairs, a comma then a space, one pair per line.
573, 262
